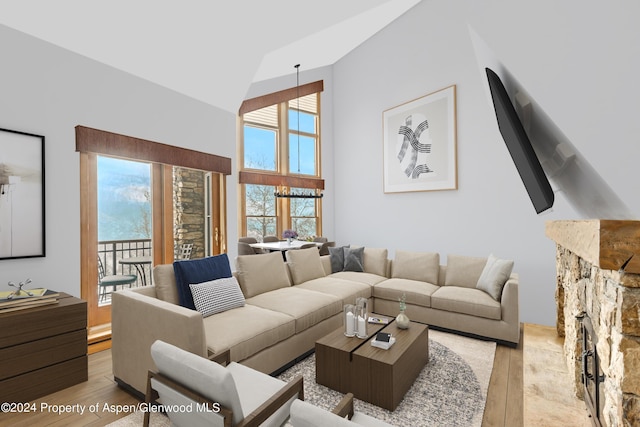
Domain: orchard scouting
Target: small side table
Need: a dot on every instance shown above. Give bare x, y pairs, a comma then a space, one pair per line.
138, 262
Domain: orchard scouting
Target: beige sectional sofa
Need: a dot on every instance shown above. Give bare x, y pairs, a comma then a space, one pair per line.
289, 306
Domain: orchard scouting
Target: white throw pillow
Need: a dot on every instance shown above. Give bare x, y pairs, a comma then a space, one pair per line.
494, 276
217, 296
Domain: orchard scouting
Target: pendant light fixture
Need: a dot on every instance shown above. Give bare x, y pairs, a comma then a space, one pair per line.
283, 194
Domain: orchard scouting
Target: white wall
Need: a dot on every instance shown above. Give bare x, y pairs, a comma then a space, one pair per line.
48, 91
579, 63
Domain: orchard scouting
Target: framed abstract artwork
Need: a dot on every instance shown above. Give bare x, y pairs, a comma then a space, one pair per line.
420, 144
22, 221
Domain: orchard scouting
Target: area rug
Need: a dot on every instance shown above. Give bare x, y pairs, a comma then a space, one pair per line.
451, 390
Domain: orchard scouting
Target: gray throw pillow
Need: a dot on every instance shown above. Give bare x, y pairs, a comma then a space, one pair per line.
494, 276
336, 256
354, 259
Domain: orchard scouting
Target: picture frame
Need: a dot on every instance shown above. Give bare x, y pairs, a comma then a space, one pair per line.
22, 192
419, 144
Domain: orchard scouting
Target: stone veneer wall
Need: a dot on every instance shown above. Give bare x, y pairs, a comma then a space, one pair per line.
188, 209
612, 300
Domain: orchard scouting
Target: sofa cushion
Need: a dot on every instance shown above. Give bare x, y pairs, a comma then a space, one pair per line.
217, 296
366, 278
261, 273
304, 265
353, 259
375, 261
421, 266
164, 279
246, 330
307, 307
416, 292
346, 290
199, 270
473, 302
463, 271
494, 275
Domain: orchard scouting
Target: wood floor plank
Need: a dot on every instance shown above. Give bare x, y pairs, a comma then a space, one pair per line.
514, 415
495, 406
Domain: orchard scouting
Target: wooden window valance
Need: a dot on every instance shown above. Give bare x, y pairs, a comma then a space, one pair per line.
258, 178
97, 141
281, 96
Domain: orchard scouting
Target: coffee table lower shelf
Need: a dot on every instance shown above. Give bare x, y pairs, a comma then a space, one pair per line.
381, 377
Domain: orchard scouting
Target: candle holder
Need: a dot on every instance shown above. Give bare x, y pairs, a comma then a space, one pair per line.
362, 314
349, 320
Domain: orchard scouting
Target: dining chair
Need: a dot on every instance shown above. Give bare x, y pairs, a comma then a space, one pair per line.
185, 251
249, 240
227, 395
267, 239
245, 249
324, 249
320, 239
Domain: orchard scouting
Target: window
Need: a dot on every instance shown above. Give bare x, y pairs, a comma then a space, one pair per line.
261, 139
303, 119
304, 214
260, 210
280, 153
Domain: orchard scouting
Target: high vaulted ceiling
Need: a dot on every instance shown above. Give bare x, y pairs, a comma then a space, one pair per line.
206, 49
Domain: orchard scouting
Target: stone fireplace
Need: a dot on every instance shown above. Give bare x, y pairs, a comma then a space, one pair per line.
598, 279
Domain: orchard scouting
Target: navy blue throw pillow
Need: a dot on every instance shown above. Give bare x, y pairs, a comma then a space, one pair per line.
194, 271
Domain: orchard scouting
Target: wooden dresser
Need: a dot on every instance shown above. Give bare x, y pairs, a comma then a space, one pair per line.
43, 349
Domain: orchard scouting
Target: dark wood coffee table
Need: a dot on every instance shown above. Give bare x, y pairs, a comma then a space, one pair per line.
374, 375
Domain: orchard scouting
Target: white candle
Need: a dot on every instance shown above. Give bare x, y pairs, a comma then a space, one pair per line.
362, 326
349, 321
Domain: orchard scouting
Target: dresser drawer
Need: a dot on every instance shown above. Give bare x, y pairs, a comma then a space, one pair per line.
22, 358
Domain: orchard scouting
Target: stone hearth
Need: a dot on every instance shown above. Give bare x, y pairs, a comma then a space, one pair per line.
598, 274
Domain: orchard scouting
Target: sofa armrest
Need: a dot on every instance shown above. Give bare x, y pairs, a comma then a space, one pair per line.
137, 321
149, 291
510, 301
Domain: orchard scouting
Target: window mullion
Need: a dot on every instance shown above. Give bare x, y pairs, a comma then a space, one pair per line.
284, 139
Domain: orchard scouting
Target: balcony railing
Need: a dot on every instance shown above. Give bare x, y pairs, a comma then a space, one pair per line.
112, 251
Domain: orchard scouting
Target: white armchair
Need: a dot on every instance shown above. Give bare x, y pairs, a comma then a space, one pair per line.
231, 395
304, 414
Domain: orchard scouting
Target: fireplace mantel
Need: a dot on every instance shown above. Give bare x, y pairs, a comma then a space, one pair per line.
607, 244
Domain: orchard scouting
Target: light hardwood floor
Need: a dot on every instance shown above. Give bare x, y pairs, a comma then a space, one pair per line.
511, 390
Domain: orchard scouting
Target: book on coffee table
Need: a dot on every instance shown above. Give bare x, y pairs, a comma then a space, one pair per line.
379, 320
383, 344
